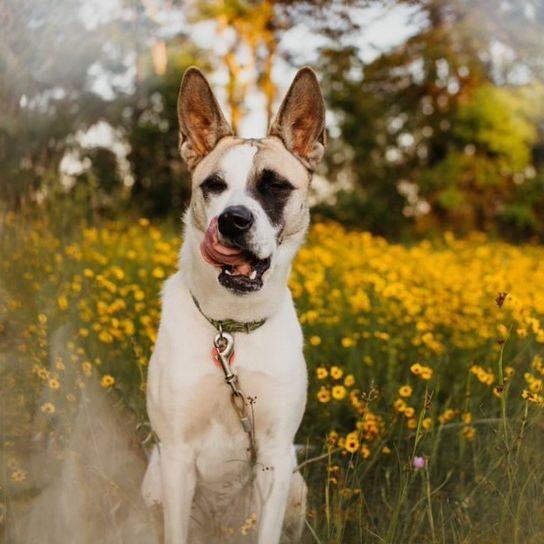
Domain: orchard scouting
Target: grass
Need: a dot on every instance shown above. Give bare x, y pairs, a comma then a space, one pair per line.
424, 420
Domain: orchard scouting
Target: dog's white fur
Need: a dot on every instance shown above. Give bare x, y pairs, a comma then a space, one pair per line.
199, 471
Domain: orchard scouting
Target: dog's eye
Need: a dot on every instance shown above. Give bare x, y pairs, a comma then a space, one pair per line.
213, 184
270, 182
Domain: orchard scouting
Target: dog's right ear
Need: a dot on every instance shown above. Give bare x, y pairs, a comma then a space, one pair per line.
201, 122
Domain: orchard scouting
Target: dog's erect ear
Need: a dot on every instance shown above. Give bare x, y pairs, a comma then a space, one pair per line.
201, 122
300, 122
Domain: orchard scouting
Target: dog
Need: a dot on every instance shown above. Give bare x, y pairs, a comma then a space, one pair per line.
224, 467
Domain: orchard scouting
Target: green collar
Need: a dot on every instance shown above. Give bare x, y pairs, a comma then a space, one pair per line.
230, 325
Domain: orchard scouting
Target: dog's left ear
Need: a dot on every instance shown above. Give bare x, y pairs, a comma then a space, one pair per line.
201, 121
300, 121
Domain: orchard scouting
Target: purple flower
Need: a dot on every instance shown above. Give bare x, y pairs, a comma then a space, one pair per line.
419, 462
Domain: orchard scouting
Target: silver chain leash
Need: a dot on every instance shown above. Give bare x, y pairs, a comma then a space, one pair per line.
224, 345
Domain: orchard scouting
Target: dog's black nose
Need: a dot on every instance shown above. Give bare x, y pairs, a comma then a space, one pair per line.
235, 221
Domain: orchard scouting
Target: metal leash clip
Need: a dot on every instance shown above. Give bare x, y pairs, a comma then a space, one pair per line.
224, 344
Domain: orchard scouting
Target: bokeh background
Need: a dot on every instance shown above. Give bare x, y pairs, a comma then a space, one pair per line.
435, 107
419, 288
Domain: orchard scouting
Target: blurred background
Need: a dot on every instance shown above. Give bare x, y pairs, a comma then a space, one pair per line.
435, 107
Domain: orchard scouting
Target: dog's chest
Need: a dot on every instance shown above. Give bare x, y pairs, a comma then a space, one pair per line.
189, 402
221, 445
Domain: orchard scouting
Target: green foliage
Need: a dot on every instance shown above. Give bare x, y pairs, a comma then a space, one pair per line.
494, 121
428, 138
482, 181
161, 181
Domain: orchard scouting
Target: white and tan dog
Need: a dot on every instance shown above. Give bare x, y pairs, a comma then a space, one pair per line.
247, 217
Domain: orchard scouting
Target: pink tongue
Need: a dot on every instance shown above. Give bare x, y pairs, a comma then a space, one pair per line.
215, 253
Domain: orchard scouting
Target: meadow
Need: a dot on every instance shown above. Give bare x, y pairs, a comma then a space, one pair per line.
425, 409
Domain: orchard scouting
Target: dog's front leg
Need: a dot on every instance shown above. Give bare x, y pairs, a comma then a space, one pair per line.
274, 472
178, 475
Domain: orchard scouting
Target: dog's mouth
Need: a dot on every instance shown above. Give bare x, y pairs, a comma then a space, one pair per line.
231, 278
241, 270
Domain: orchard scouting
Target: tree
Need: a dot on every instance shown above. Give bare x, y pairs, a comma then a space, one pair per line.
426, 136
46, 53
161, 181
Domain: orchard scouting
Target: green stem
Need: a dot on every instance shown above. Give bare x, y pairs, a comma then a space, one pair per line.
429, 502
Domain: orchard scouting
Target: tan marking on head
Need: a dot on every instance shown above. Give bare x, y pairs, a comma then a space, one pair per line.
273, 155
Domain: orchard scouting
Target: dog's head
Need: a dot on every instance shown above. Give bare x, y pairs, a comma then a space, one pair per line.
249, 197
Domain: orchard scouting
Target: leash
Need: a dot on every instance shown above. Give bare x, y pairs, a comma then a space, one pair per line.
224, 346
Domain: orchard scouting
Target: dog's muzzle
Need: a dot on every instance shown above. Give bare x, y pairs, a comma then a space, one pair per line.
241, 271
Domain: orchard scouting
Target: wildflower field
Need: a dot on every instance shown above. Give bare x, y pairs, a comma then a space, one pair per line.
425, 410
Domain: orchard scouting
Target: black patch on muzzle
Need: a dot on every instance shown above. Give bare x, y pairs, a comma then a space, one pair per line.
272, 191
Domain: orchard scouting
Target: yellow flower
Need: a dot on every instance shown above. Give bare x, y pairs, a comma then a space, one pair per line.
535, 386
426, 373
351, 444
448, 415
315, 340
158, 273
321, 372
498, 391
62, 301
339, 392
483, 375
105, 337
18, 475
532, 397
365, 451
399, 405
48, 408
347, 342
502, 331
332, 438
409, 411
527, 395
349, 380
466, 417
53, 383
336, 373
427, 423
87, 368
107, 381
405, 391
469, 432
411, 423
324, 395
386, 450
